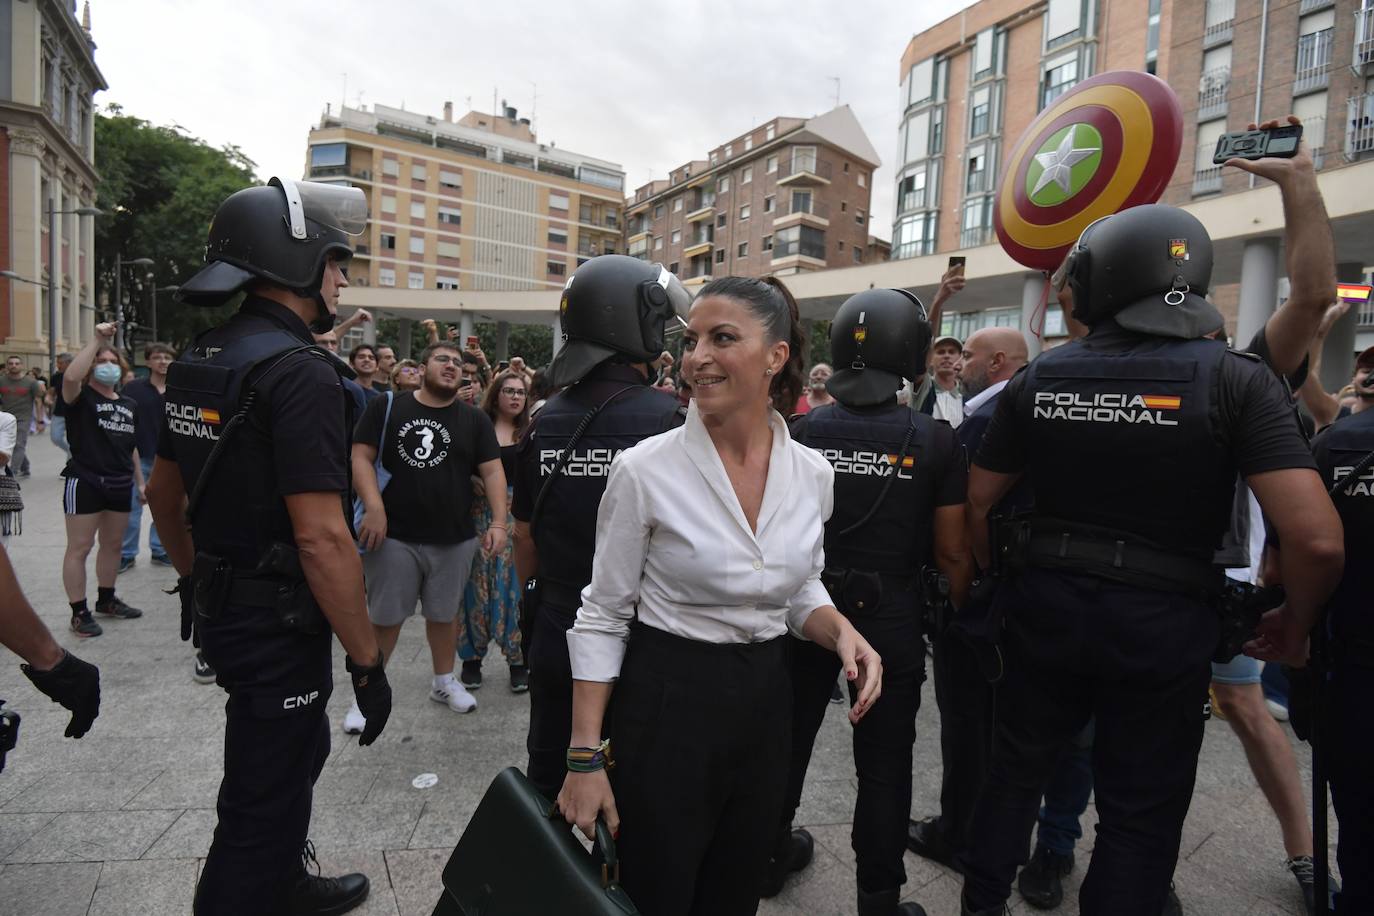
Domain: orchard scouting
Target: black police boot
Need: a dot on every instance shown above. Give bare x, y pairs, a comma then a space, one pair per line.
317, 896
926, 838
1040, 881
884, 903
792, 852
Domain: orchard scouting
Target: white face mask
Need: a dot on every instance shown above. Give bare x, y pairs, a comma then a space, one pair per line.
107, 373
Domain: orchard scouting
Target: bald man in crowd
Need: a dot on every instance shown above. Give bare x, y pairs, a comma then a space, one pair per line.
991, 357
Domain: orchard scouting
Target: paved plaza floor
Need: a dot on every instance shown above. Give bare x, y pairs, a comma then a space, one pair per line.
120, 821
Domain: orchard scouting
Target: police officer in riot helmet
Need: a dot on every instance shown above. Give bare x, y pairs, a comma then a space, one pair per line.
615, 312
1131, 439
254, 454
896, 554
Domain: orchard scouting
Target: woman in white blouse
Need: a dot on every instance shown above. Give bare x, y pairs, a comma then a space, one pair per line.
708, 550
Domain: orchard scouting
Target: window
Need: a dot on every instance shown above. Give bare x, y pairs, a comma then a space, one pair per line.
417, 244
911, 193
558, 201
767, 243
389, 241
584, 214
768, 203
415, 279
914, 236
980, 113
677, 205
748, 143
447, 283
937, 130
1207, 136
844, 206
388, 204
677, 237
770, 165
1315, 33
839, 246
418, 173
451, 216
720, 256
448, 179
386, 276
803, 159
746, 174
658, 211
918, 137
1060, 77
328, 155
922, 82
860, 218
417, 209
558, 237
729, 151
672, 268
557, 268
976, 171
391, 168
723, 184
982, 52
448, 249
801, 202
744, 212
1311, 108
769, 133
720, 220
1152, 37
977, 221
715, 157
858, 255
862, 179
658, 243
743, 250
807, 241
1063, 21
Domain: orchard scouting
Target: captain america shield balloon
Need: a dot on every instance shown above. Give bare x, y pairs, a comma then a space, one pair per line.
1109, 143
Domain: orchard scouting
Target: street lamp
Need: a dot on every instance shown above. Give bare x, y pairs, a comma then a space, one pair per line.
120, 264
54, 269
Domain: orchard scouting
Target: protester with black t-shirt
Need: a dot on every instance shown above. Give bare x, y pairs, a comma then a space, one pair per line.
363, 359
102, 474
57, 411
418, 532
148, 394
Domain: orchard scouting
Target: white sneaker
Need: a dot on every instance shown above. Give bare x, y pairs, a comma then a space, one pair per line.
454, 695
354, 721
1276, 709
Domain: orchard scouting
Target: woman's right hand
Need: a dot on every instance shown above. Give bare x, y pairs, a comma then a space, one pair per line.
583, 797
372, 531
106, 329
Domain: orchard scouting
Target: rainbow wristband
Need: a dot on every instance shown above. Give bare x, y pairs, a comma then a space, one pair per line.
590, 759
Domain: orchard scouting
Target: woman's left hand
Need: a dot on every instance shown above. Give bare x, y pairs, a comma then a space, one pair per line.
863, 666
143, 494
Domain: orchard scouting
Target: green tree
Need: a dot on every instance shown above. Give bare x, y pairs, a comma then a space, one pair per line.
159, 189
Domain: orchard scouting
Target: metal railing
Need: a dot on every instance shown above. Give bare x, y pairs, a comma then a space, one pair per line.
1359, 130
1207, 181
1220, 17
975, 236
804, 205
913, 200
979, 181
797, 165
1213, 89
1364, 37
1366, 315
1314, 61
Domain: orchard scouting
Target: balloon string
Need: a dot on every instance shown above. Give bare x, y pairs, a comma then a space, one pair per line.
1037, 318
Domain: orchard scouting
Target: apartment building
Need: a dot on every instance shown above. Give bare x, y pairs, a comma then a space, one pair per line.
787, 196
474, 204
48, 78
971, 85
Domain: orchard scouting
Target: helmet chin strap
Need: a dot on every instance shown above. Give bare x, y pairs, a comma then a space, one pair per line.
324, 322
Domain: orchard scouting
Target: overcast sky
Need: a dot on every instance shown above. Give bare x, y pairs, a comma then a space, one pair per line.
649, 85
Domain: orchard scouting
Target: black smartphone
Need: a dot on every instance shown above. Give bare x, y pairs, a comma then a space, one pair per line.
957, 260
1278, 142
503, 365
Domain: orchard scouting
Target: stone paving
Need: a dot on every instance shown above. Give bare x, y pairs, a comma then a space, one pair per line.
120, 821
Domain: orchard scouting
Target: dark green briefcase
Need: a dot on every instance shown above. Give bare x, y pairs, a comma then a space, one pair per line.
518, 857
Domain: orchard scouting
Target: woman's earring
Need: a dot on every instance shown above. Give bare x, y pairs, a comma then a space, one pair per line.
767, 371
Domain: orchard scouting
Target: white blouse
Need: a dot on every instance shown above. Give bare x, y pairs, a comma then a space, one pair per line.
673, 546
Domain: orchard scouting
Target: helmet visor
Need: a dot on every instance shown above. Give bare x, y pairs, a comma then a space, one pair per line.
678, 298
334, 206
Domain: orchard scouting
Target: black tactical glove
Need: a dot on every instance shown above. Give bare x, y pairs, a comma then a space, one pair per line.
373, 694
76, 685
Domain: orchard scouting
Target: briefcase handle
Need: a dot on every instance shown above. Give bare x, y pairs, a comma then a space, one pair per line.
605, 845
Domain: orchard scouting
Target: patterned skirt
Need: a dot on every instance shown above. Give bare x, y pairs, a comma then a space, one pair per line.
491, 601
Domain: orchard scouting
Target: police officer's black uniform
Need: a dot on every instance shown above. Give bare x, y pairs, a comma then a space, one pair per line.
894, 467
614, 311
1131, 440
255, 412
1347, 743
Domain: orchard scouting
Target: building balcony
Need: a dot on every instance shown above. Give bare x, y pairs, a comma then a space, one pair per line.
975, 236
1213, 89
1314, 61
1220, 22
813, 250
1207, 181
810, 212
1359, 131
803, 170
698, 246
1364, 39
638, 235
707, 210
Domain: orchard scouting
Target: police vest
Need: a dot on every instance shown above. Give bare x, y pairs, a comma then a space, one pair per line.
1339, 450
565, 531
864, 448
240, 513
1124, 440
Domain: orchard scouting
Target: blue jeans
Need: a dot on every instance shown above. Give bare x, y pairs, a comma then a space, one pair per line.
1066, 796
130, 548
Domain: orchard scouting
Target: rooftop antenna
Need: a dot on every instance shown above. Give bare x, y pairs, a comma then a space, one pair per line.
836, 80
343, 103
534, 108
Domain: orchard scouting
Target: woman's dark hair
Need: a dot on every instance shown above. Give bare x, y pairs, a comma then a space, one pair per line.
494, 392
771, 303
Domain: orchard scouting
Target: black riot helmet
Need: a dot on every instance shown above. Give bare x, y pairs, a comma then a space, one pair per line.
282, 232
1149, 268
878, 338
615, 305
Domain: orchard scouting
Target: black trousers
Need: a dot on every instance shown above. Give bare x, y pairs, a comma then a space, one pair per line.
550, 698
1349, 756
882, 739
965, 699
1138, 659
700, 735
276, 740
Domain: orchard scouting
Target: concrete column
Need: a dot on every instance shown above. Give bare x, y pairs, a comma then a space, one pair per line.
557, 326
464, 329
1032, 291
502, 340
1338, 353
26, 239
1259, 287
403, 342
